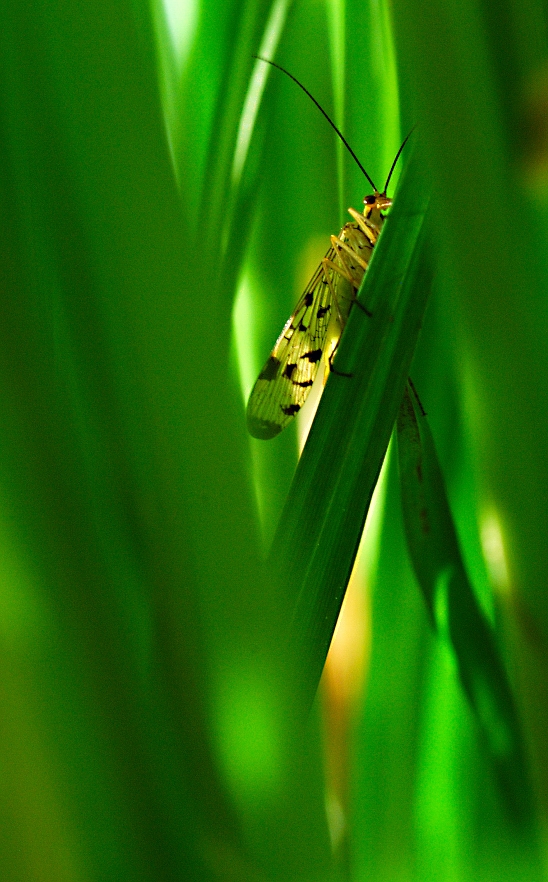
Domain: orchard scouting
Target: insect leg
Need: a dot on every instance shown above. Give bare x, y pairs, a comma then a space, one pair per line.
340, 246
345, 272
332, 366
326, 263
364, 226
342, 271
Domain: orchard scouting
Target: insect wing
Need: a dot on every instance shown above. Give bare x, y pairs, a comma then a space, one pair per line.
287, 377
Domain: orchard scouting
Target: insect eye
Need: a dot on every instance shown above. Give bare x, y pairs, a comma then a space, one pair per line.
370, 200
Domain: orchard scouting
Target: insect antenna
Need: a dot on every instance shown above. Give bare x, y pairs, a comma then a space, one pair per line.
398, 154
330, 121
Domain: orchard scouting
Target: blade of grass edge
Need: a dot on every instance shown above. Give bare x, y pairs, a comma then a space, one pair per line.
453, 608
320, 528
249, 29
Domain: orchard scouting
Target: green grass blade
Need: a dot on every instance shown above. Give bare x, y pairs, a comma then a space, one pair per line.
106, 682
321, 525
248, 29
453, 608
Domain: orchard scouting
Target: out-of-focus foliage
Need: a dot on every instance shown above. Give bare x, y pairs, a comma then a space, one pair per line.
163, 199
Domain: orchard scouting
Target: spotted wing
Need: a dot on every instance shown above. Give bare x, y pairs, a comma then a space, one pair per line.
287, 377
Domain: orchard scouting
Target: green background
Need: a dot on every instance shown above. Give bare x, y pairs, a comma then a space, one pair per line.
149, 728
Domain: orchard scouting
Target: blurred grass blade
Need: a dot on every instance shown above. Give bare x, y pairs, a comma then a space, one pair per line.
241, 198
320, 527
94, 465
454, 610
249, 31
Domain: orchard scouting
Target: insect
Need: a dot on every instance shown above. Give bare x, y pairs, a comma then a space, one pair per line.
312, 333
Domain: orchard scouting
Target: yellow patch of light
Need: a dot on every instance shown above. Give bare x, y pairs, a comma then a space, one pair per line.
336, 819
345, 671
345, 665
349, 651
243, 322
494, 551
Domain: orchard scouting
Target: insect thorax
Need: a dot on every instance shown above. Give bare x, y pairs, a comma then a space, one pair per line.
374, 207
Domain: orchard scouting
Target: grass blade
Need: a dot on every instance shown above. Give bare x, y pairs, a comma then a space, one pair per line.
452, 605
341, 462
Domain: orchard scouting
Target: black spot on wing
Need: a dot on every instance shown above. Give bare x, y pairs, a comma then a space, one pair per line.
289, 368
313, 356
291, 409
309, 298
305, 384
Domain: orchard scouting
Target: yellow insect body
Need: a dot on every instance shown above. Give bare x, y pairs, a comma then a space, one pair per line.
311, 335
